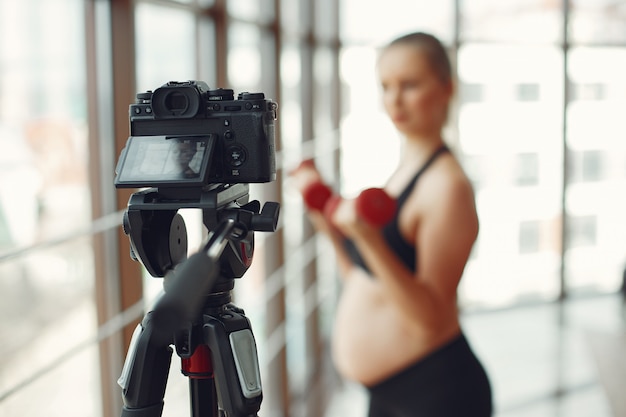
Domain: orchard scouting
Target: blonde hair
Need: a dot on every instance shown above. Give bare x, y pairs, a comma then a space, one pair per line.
432, 48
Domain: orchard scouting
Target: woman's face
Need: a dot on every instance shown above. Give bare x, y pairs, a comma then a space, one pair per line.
184, 152
414, 96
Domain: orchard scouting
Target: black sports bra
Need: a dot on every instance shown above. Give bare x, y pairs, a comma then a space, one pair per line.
391, 231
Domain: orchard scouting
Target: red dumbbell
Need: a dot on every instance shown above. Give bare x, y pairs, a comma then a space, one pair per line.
373, 205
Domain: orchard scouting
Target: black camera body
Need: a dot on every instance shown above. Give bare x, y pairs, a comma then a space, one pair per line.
185, 135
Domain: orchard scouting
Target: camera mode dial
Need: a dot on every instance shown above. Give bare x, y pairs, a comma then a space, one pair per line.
220, 94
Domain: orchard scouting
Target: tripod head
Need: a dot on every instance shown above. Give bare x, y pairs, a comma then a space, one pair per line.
158, 235
158, 238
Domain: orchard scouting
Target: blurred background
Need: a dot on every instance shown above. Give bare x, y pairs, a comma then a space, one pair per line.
538, 123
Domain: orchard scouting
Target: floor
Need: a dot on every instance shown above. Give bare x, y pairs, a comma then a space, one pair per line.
546, 360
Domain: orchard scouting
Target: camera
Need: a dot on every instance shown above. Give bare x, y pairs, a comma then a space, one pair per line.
185, 135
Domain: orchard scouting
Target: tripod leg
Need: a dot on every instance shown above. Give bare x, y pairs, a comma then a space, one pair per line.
145, 372
203, 397
202, 391
235, 362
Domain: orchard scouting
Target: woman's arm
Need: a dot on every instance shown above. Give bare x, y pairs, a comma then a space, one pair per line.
302, 177
322, 225
446, 227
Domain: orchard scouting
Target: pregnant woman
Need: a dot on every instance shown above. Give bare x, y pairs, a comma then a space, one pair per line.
397, 328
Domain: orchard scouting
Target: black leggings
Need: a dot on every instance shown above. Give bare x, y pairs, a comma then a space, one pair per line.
449, 382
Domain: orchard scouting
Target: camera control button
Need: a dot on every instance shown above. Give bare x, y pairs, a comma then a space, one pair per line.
250, 96
144, 96
236, 156
229, 135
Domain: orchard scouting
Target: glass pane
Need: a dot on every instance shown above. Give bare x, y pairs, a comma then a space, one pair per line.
46, 295
595, 200
206, 56
251, 10
244, 9
370, 150
165, 45
326, 19
598, 21
290, 113
510, 123
323, 72
290, 17
515, 20
373, 21
244, 57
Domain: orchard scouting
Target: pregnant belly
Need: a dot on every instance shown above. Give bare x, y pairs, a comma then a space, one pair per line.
371, 339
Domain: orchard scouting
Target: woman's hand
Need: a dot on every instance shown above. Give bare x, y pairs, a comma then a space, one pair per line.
347, 220
304, 175
364, 215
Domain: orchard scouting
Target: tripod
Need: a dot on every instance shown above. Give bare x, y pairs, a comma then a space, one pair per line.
212, 336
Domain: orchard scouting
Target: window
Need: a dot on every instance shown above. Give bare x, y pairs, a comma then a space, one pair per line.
588, 91
514, 21
527, 169
600, 21
511, 145
472, 92
393, 19
164, 54
528, 92
529, 237
596, 153
525, 104
582, 231
586, 166
46, 293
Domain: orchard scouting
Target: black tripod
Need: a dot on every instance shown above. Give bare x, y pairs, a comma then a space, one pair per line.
211, 335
